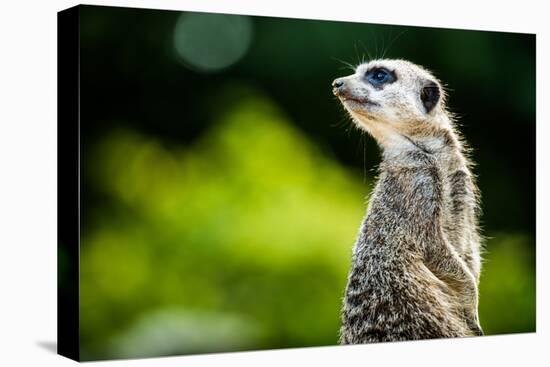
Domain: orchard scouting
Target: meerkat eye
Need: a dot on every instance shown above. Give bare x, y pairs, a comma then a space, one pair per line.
379, 76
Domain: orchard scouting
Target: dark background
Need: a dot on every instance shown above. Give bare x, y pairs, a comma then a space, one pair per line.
133, 78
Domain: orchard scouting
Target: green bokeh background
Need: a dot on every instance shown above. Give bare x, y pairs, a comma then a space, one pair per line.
220, 206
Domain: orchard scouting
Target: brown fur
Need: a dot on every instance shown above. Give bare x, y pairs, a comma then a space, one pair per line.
416, 263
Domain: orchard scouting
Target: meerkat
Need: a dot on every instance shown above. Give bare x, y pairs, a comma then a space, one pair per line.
416, 262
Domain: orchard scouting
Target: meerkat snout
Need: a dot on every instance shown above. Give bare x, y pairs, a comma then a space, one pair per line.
341, 89
337, 83
348, 93
337, 87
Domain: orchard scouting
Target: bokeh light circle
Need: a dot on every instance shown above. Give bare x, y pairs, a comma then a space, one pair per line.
211, 42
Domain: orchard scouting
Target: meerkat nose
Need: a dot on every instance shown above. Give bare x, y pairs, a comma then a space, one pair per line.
337, 83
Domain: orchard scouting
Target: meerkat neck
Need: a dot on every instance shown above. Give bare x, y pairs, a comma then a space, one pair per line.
402, 145
441, 141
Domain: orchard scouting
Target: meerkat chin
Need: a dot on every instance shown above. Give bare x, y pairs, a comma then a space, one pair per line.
416, 262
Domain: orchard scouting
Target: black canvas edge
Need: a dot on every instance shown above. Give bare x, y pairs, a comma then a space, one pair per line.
68, 182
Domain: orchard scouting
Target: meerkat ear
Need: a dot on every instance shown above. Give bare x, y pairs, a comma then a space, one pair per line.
430, 95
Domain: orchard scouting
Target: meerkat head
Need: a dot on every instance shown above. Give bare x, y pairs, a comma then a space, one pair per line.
393, 100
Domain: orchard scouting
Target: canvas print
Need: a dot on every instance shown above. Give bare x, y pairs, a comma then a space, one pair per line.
231, 182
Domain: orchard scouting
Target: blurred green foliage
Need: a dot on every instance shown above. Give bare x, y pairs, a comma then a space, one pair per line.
258, 239
507, 287
219, 209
